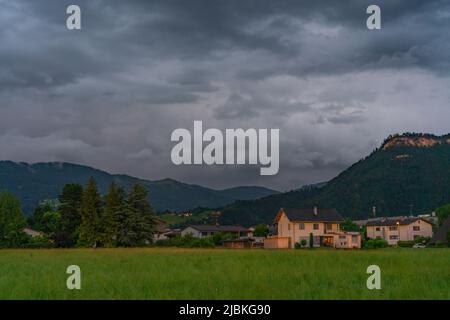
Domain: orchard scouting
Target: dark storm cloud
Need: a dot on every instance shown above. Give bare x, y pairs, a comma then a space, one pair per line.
118, 31
110, 94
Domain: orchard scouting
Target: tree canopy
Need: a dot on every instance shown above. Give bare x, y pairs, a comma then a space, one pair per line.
12, 221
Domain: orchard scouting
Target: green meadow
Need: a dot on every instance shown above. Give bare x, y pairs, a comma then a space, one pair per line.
169, 273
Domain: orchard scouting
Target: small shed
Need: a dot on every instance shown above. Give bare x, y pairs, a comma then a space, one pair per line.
241, 243
276, 242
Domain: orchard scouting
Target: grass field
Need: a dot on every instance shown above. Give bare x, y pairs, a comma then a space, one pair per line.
225, 274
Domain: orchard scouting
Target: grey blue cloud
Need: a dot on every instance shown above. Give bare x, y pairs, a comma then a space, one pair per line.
110, 95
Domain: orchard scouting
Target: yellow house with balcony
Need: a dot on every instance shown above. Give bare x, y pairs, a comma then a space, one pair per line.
296, 225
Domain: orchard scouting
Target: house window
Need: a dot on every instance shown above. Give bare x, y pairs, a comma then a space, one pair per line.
392, 228
204, 234
342, 237
301, 226
393, 237
289, 226
316, 226
377, 229
416, 228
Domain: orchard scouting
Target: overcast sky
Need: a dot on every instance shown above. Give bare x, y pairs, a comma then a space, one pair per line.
110, 95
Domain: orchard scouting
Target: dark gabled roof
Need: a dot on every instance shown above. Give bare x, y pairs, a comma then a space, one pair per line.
393, 222
323, 215
211, 228
441, 233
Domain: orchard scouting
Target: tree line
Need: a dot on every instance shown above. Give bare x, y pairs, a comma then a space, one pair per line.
82, 217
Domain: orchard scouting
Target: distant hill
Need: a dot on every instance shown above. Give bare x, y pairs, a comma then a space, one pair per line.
409, 173
35, 182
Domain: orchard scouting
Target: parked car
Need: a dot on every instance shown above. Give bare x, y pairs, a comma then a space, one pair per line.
419, 246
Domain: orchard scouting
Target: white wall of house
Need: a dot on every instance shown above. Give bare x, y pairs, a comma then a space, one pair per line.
419, 228
347, 241
392, 234
193, 232
196, 233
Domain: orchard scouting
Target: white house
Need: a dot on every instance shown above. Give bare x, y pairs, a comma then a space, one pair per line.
202, 231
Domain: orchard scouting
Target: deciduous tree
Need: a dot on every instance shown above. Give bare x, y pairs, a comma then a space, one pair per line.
442, 213
12, 221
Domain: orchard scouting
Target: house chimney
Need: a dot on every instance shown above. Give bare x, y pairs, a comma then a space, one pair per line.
315, 210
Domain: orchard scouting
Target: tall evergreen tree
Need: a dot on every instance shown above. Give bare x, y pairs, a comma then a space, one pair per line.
91, 228
136, 219
70, 204
12, 221
114, 209
128, 227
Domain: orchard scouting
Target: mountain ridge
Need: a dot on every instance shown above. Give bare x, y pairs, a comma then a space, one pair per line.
420, 140
34, 182
410, 176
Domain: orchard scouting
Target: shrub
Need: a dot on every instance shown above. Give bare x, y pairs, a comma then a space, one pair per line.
63, 240
38, 243
406, 244
301, 244
261, 230
218, 237
375, 243
422, 240
311, 240
202, 243
440, 244
187, 242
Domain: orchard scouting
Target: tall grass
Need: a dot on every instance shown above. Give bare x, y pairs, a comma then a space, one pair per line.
167, 273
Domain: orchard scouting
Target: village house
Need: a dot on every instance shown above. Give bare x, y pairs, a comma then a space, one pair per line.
296, 225
203, 231
162, 231
33, 233
166, 234
432, 218
393, 230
